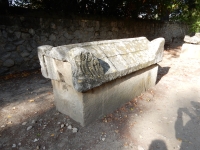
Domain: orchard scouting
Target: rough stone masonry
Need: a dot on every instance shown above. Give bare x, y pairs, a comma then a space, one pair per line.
92, 79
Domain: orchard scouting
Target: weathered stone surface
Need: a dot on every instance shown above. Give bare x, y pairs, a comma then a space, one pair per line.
24, 54
6, 56
10, 47
31, 31
8, 63
18, 42
190, 51
194, 39
21, 48
88, 106
3, 70
52, 37
95, 63
18, 34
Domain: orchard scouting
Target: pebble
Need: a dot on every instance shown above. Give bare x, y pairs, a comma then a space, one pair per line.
33, 121
24, 123
19, 144
44, 147
30, 127
58, 123
74, 130
140, 148
62, 125
14, 145
103, 139
69, 127
3, 126
35, 140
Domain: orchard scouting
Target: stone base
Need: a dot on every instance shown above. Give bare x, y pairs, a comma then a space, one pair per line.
190, 51
94, 104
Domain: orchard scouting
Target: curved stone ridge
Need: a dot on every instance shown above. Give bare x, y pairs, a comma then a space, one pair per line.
94, 63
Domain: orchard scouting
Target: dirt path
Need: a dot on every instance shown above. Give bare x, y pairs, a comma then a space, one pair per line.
165, 117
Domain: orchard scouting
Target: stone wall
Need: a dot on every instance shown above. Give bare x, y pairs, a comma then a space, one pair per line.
20, 36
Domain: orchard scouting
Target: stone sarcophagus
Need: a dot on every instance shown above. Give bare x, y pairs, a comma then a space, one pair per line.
92, 79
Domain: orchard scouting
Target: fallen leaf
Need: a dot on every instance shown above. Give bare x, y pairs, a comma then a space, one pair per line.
117, 131
31, 100
179, 139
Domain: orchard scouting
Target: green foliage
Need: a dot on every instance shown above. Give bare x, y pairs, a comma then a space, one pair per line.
187, 11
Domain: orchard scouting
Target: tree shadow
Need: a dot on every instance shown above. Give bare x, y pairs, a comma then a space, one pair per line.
158, 145
161, 72
189, 133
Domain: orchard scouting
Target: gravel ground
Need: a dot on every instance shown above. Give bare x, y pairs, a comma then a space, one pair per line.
166, 117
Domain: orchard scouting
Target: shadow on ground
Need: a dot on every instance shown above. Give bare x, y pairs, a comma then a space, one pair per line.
158, 145
187, 126
29, 120
162, 71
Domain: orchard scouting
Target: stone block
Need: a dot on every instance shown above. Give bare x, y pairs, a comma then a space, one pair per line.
194, 39
93, 104
190, 51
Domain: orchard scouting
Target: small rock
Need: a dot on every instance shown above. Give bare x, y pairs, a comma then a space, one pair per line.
30, 127
19, 144
10, 122
62, 125
18, 42
18, 34
35, 140
14, 145
33, 121
103, 139
3, 126
8, 63
74, 130
69, 127
24, 123
58, 123
43, 147
24, 54
140, 148
52, 37
37, 147
31, 31
57, 129
9, 47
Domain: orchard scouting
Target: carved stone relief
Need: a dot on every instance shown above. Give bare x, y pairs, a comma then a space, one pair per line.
88, 66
